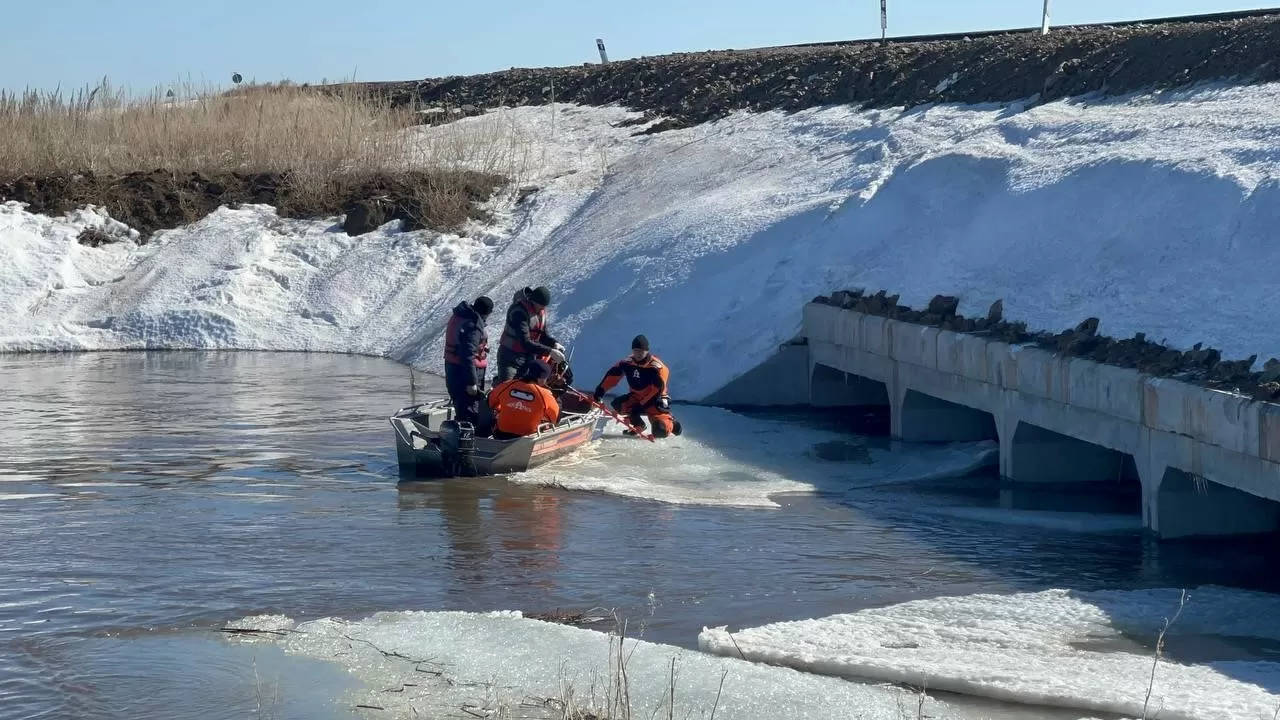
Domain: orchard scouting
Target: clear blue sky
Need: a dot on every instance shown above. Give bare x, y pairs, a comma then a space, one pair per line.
146, 43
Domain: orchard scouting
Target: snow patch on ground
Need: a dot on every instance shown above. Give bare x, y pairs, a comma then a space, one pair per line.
449, 664
1091, 651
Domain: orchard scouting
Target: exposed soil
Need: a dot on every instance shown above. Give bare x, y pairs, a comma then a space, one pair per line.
691, 88
157, 200
1198, 366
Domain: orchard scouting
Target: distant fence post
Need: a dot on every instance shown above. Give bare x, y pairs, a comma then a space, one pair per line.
604, 57
884, 20
1044, 19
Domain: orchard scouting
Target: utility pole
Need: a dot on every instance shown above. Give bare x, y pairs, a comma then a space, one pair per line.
1044, 19
884, 20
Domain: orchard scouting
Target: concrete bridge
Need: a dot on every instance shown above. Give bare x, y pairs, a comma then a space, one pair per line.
1208, 462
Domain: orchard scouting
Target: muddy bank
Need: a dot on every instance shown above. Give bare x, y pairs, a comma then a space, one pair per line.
1198, 366
691, 88
159, 200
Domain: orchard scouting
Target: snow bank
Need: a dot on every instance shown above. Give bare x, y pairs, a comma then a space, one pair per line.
724, 458
1085, 650
1154, 213
435, 664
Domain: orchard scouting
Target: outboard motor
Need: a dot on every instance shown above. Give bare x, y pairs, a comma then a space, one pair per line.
457, 448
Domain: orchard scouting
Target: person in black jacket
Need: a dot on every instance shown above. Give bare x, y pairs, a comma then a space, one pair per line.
525, 335
466, 358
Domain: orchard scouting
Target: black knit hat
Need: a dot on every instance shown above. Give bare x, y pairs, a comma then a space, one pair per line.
540, 296
640, 343
483, 305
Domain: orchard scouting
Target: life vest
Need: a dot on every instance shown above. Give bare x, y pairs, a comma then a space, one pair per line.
537, 327
521, 407
453, 338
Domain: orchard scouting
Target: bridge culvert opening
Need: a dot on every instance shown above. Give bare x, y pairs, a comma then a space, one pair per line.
862, 403
933, 420
1046, 457
1056, 472
1189, 505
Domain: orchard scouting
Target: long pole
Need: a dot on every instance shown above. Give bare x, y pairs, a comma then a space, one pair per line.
1044, 19
884, 20
609, 411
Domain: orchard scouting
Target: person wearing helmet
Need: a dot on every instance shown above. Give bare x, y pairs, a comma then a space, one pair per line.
647, 377
525, 336
524, 403
466, 358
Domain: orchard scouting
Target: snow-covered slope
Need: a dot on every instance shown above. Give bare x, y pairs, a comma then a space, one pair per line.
1154, 213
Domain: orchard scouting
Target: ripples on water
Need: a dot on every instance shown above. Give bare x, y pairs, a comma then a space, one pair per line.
146, 494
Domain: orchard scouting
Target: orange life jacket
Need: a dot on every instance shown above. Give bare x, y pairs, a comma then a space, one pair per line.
522, 406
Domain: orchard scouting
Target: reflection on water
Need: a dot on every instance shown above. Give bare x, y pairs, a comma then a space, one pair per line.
183, 677
842, 451
149, 497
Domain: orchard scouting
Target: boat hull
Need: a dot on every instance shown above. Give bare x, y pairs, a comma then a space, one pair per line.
428, 446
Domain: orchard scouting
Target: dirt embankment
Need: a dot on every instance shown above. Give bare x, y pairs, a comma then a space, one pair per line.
691, 88
157, 200
1198, 366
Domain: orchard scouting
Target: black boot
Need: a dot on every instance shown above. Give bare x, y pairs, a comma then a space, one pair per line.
637, 422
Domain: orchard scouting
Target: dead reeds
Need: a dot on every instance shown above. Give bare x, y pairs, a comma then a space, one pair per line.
311, 134
318, 145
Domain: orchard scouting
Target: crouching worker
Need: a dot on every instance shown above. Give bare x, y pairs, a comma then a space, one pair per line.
647, 378
466, 358
524, 402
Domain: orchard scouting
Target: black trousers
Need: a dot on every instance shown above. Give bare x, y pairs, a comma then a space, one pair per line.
509, 364
466, 408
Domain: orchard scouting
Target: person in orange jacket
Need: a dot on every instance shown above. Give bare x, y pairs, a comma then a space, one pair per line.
647, 377
524, 402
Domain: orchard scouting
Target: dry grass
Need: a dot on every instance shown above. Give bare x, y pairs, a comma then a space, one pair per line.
315, 136
321, 147
1158, 655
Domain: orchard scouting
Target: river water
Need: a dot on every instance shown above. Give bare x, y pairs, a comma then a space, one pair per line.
148, 499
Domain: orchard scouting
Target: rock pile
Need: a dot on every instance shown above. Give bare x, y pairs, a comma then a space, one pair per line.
1199, 365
